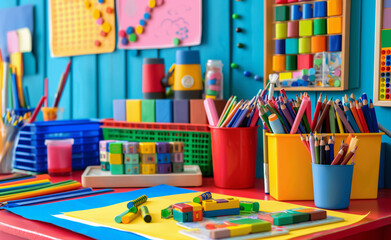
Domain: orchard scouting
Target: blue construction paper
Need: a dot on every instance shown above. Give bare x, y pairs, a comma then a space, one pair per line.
12, 19
45, 212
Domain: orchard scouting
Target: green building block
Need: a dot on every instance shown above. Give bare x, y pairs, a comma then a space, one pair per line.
299, 217
105, 166
247, 206
291, 62
320, 26
305, 28
167, 213
386, 38
257, 225
116, 147
281, 218
116, 169
148, 111
281, 13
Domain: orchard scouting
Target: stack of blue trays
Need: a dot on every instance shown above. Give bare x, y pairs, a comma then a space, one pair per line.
30, 152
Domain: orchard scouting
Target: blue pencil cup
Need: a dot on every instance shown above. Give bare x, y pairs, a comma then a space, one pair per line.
332, 185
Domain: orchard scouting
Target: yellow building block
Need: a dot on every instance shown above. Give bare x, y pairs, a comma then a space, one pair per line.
281, 30
148, 168
196, 206
116, 158
278, 63
285, 76
334, 7
304, 45
239, 230
334, 25
133, 110
212, 204
147, 147
306, 28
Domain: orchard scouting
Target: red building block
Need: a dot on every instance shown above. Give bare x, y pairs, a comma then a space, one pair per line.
182, 207
305, 61
197, 216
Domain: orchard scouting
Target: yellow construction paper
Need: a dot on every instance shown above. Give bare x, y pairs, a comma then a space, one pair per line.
168, 229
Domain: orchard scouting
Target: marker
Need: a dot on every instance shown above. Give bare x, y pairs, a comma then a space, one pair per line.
145, 214
137, 202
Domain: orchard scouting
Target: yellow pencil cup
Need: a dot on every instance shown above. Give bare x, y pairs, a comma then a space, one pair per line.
290, 170
51, 113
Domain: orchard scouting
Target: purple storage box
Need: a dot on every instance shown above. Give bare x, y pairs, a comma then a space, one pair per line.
162, 147
130, 147
164, 168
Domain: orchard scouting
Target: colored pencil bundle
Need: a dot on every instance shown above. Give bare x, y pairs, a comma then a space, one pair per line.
294, 115
322, 149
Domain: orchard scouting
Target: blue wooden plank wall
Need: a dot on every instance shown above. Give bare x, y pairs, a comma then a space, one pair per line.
96, 80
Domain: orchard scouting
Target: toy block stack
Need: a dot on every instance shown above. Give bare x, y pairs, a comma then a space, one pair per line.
131, 157
163, 157
103, 154
147, 157
294, 216
221, 207
240, 227
114, 150
177, 149
187, 212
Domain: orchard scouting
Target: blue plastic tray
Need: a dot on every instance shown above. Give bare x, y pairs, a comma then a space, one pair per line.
42, 167
41, 150
62, 126
42, 159
60, 135
40, 143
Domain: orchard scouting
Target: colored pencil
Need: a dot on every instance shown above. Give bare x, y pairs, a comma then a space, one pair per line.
286, 124
37, 109
240, 119
367, 115
340, 125
287, 115
227, 111
305, 143
64, 80
255, 118
323, 116
236, 115
345, 122
353, 109
375, 125
337, 158
232, 113
362, 118
322, 153
15, 177
327, 155
265, 162
299, 116
40, 177
332, 119
308, 112
46, 91
349, 156
312, 147
15, 97
350, 119
331, 146
316, 151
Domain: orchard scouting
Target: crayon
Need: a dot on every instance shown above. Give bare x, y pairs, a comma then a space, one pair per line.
337, 158
130, 216
118, 218
138, 201
145, 214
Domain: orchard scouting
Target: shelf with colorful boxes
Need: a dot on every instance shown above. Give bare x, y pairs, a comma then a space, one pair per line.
122, 157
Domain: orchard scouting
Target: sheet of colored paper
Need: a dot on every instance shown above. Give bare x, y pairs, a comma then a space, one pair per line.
25, 40
12, 42
159, 24
12, 19
168, 229
81, 27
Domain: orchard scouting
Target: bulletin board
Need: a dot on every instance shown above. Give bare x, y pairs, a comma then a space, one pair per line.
382, 69
307, 44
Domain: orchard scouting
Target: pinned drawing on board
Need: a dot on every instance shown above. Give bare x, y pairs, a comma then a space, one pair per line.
158, 23
81, 27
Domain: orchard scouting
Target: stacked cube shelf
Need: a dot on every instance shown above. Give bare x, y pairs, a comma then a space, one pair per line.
306, 43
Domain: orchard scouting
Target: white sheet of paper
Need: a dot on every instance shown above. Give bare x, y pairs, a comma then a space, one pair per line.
25, 40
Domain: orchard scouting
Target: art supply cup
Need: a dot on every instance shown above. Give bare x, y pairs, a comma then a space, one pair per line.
7, 143
234, 153
51, 113
59, 156
332, 185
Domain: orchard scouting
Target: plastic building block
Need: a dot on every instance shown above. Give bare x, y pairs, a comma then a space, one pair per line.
282, 218
386, 38
115, 147
133, 110
177, 157
278, 63
183, 207
246, 206
130, 147
163, 110
116, 169
293, 29
164, 168
318, 44
196, 206
197, 215
315, 214
181, 111
163, 158
285, 76
182, 216
307, 11
132, 169
320, 26
131, 158
167, 213
119, 110
281, 13
103, 156
292, 46
105, 166
257, 225
177, 147
148, 168
103, 144
298, 217
239, 230
304, 45
220, 233
320, 9
305, 28
279, 46
304, 61
295, 12
197, 112
149, 158
281, 30
162, 147
291, 62
335, 43
177, 167
147, 147
217, 204
334, 7
148, 112
334, 25
222, 212
116, 158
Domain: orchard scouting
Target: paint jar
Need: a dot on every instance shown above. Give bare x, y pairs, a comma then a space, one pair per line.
214, 79
234, 155
332, 185
52, 113
59, 156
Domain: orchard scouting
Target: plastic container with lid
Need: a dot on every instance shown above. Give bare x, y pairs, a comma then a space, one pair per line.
214, 79
59, 156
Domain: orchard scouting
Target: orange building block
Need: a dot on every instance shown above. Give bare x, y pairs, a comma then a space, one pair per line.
318, 44
334, 7
334, 25
279, 63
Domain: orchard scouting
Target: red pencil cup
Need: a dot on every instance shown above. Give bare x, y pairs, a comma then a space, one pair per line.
234, 154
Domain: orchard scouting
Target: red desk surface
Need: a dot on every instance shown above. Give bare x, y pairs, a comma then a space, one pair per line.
375, 226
